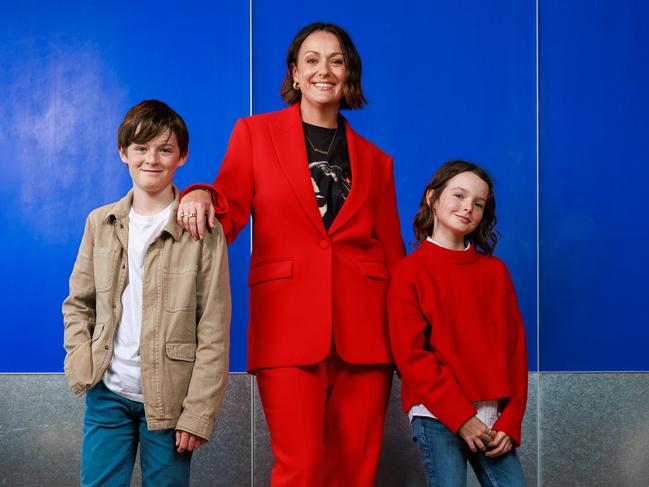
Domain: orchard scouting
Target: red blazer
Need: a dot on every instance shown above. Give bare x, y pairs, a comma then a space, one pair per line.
307, 284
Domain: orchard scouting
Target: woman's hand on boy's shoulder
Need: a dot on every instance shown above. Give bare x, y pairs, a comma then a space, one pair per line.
188, 442
195, 212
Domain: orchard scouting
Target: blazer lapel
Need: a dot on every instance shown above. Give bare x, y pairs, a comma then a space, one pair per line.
361, 165
288, 140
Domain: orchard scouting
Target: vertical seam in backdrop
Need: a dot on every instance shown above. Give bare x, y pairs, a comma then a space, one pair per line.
538, 255
252, 381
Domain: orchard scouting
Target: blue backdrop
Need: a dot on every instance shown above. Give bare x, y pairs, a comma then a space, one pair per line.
594, 74
451, 79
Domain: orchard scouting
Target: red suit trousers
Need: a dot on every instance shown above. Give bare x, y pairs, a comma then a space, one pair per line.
325, 421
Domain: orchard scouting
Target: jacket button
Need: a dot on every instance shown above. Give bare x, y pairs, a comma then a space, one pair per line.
87, 386
106, 347
114, 306
123, 266
324, 244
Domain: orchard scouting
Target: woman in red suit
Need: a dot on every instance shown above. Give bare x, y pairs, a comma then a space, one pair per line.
325, 234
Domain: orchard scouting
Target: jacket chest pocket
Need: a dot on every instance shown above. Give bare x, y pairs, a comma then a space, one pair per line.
104, 263
179, 289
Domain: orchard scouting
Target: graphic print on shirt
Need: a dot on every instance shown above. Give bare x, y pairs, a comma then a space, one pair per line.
331, 175
329, 183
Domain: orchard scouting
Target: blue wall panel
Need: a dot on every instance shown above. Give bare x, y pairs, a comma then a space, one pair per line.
594, 72
68, 74
456, 80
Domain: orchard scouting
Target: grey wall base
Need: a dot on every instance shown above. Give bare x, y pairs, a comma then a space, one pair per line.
592, 430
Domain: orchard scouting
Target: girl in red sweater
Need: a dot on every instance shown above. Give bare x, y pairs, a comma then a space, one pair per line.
458, 337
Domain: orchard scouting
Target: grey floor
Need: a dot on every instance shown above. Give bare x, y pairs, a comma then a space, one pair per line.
587, 430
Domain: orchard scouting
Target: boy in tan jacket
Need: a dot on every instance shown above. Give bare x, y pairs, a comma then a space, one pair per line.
147, 318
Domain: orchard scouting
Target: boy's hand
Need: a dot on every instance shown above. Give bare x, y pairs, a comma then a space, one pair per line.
475, 433
192, 210
501, 444
188, 442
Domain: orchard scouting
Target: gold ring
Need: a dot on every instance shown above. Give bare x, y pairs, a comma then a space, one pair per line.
191, 215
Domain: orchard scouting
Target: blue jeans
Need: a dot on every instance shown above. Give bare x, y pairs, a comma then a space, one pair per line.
112, 428
445, 454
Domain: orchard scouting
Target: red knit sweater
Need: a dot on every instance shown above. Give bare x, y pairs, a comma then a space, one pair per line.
457, 336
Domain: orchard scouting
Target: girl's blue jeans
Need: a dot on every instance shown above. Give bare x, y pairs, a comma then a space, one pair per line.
445, 454
112, 428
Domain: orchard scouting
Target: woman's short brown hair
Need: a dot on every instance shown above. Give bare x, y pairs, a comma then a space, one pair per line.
484, 237
352, 91
147, 120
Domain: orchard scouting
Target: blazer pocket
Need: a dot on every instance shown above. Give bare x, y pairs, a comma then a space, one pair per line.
374, 270
281, 269
184, 351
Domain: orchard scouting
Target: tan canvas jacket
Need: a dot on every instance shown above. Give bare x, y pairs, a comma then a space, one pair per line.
186, 308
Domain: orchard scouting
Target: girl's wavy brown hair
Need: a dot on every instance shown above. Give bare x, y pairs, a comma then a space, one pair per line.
485, 236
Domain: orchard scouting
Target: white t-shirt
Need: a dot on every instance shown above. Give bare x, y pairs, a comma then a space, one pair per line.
123, 375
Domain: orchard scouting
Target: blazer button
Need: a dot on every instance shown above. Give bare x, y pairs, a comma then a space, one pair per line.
87, 386
324, 244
